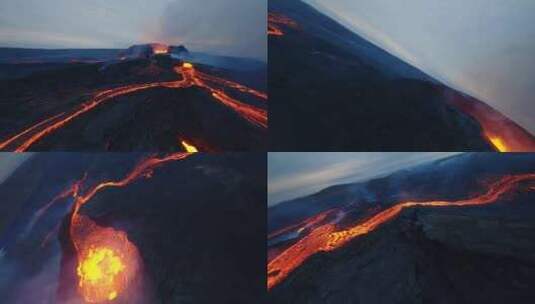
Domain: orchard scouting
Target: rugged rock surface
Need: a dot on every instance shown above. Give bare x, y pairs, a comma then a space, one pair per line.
449, 255
330, 89
198, 225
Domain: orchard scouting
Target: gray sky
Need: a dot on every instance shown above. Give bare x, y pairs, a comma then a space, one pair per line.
9, 162
296, 174
482, 47
224, 27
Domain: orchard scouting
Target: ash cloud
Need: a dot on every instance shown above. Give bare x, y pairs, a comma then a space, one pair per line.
223, 27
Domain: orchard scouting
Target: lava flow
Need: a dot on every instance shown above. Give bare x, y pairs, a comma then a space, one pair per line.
108, 262
23, 140
188, 147
504, 134
275, 21
327, 237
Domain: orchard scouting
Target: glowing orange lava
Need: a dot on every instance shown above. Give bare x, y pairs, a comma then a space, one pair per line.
188, 147
327, 237
158, 48
504, 134
275, 21
23, 140
107, 261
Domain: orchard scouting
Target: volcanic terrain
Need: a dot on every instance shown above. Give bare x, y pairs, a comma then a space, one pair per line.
149, 97
458, 230
332, 90
134, 228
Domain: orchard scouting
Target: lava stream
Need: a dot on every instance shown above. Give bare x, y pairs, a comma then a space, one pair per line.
275, 21
107, 261
22, 141
504, 134
188, 147
327, 237
251, 113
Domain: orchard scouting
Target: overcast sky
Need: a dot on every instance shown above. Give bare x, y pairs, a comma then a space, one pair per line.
9, 162
225, 27
482, 47
296, 174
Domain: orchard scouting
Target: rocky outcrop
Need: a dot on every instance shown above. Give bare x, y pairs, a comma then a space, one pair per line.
445, 255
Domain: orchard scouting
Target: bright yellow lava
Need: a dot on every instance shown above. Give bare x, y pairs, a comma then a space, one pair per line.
187, 65
188, 147
99, 270
112, 295
499, 144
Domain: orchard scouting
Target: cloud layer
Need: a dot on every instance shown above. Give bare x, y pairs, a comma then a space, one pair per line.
295, 174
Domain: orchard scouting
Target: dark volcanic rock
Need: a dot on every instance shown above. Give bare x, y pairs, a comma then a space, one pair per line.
199, 225
451, 178
332, 90
447, 255
154, 119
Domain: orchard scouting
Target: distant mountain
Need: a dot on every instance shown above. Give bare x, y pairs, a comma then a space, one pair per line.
332, 90
149, 49
435, 179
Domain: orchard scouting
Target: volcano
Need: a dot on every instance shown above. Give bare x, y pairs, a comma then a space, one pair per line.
134, 228
457, 230
149, 97
332, 90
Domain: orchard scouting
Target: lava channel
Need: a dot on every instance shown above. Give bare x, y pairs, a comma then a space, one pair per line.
329, 237
107, 261
275, 23
504, 134
23, 140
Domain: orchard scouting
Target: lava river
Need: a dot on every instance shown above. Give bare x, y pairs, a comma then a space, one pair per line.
107, 262
276, 22
504, 134
327, 236
191, 77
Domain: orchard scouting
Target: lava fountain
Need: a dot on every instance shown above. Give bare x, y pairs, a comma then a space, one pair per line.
329, 237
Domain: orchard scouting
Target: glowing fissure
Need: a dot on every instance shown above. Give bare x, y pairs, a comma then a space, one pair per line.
504, 134
22, 141
107, 261
275, 23
328, 237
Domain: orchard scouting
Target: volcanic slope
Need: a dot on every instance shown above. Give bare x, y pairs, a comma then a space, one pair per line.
159, 202
332, 90
154, 104
477, 251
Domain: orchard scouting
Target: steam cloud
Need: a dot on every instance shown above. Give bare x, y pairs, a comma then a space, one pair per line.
223, 27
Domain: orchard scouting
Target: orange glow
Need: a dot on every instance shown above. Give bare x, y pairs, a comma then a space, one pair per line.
329, 237
107, 261
275, 21
498, 143
23, 140
504, 134
158, 48
188, 147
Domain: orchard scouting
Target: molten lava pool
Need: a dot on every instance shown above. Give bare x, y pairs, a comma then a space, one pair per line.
107, 261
